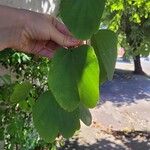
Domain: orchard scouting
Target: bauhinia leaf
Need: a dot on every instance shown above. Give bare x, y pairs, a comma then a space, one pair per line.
85, 115
50, 119
105, 46
45, 117
74, 77
82, 17
68, 122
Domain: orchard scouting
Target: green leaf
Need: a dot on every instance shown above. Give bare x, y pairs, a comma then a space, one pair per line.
103, 74
6, 79
1, 134
85, 115
2, 111
45, 117
146, 29
31, 101
21, 92
50, 119
53, 147
105, 46
74, 77
68, 122
82, 17
1, 97
6, 53
6, 92
24, 105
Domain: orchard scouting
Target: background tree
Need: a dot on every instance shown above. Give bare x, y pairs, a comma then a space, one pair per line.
130, 19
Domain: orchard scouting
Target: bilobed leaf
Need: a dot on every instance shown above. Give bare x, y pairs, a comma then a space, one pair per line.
74, 77
88, 80
45, 117
85, 115
50, 119
103, 74
82, 17
105, 46
68, 122
21, 92
62, 81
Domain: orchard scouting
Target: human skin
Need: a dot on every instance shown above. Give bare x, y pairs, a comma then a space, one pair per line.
32, 32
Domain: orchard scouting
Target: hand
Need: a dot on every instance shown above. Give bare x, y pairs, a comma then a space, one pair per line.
34, 32
43, 34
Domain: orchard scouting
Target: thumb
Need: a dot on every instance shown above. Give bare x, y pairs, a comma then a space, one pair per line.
62, 39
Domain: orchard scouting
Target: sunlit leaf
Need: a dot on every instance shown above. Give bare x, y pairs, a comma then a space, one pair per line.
82, 17
74, 77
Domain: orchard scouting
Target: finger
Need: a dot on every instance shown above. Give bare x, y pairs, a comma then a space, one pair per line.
38, 48
61, 39
41, 50
46, 53
61, 27
52, 45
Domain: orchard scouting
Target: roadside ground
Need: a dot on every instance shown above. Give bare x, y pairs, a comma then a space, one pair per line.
121, 120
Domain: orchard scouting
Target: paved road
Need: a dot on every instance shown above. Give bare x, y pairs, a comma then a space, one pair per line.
125, 104
125, 101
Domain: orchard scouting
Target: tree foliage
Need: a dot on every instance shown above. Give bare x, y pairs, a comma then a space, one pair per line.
130, 18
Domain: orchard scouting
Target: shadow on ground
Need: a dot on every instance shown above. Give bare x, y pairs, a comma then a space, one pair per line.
126, 88
128, 141
99, 145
